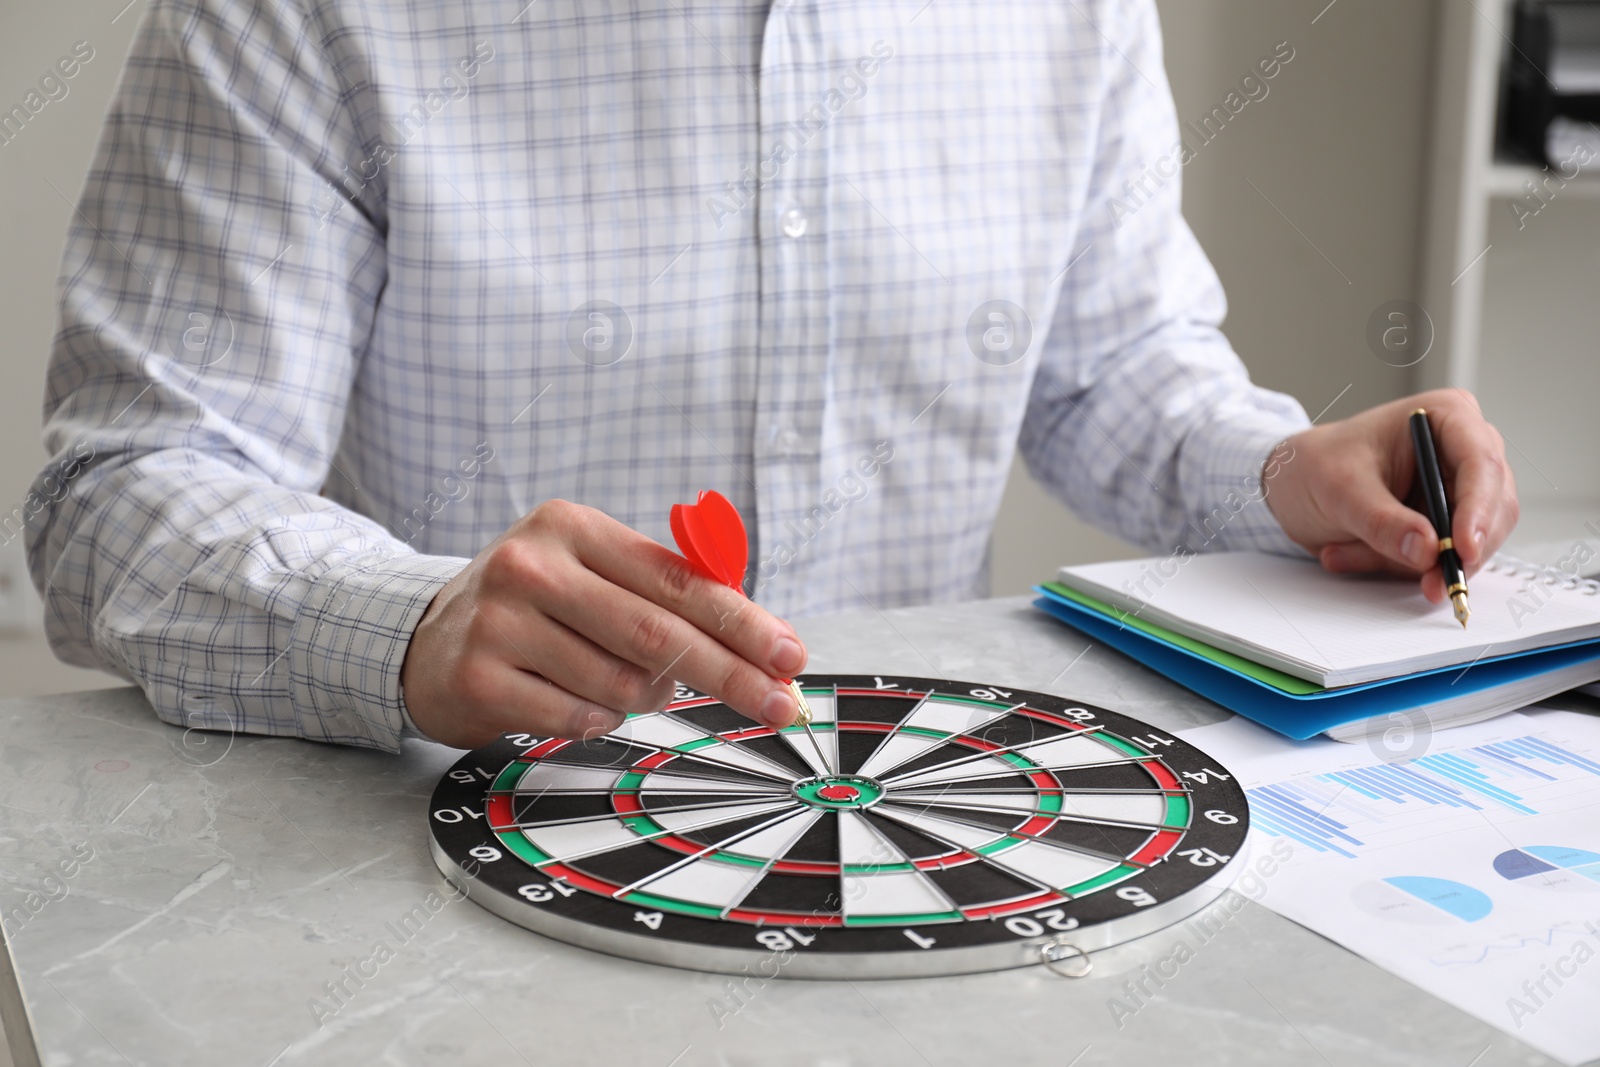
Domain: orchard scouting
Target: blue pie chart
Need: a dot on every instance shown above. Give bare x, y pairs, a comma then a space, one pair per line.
1462, 901
1558, 866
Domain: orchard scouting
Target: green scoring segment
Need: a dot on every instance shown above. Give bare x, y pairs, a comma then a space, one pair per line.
845, 792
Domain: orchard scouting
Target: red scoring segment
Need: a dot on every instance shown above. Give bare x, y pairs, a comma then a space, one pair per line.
1156, 848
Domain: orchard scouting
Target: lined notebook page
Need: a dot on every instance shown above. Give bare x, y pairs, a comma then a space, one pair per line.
1340, 629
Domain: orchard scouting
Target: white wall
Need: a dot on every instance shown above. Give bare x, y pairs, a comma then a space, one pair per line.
41, 171
1338, 145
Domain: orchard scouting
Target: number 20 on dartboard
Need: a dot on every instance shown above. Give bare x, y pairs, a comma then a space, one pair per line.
692, 838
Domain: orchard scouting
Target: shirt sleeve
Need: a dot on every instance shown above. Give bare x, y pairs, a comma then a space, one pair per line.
1141, 417
214, 312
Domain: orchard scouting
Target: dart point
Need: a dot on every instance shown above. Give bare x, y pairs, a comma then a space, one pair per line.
803, 710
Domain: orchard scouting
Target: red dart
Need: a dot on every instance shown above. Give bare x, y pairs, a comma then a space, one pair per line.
711, 536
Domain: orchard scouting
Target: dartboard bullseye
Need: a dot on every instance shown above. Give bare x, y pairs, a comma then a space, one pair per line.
923, 827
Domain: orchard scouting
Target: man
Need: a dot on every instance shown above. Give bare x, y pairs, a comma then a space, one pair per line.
390, 334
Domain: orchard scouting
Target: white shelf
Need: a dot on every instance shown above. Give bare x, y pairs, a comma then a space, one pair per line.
1511, 296
1551, 531
1503, 181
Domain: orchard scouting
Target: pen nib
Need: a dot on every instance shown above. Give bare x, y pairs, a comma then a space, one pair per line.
1458, 603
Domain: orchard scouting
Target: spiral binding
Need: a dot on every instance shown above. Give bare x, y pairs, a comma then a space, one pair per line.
1513, 567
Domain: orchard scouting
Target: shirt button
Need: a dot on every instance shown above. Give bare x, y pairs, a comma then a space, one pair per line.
794, 223
788, 440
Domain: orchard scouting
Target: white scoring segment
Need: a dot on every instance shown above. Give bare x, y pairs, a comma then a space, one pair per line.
1022, 803
705, 881
563, 842
1150, 810
860, 844
734, 809
823, 715
572, 841
661, 782
662, 731
1078, 750
718, 883
665, 731
559, 776
880, 892
889, 893
931, 714
1111, 807
1049, 865
776, 840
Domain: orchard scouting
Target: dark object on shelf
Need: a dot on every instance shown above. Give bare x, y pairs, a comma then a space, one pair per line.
1554, 73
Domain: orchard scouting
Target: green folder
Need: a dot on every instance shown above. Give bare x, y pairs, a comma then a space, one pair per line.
1286, 683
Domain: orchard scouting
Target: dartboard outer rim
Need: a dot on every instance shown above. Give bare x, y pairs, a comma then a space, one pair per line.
818, 964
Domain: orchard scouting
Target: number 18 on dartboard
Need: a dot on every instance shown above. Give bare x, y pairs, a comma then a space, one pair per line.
921, 827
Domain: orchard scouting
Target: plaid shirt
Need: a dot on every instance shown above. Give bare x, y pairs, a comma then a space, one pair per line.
352, 286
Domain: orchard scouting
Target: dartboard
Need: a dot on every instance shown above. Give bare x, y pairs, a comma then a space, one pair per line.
916, 827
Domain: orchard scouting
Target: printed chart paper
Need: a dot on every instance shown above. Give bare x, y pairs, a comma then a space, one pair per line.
1470, 868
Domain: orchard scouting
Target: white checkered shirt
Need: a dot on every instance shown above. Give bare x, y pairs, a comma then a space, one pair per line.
352, 286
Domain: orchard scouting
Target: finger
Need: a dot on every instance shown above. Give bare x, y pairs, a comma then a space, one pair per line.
1478, 545
500, 698
1353, 557
647, 635
1483, 500
1477, 508
1356, 557
538, 643
1363, 505
1505, 522
628, 559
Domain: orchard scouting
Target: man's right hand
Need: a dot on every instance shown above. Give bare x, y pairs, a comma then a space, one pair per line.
570, 620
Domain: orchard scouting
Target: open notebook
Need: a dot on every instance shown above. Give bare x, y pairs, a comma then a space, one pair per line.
1339, 630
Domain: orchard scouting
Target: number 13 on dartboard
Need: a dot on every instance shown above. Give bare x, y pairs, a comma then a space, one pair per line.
921, 827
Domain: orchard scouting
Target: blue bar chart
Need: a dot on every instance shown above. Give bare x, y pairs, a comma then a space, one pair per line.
1326, 812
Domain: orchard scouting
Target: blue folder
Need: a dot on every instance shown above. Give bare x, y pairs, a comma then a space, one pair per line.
1304, 715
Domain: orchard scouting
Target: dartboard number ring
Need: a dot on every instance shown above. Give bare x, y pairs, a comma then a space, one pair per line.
921, 827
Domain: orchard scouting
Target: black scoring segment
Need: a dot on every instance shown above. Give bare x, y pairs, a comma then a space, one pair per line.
890, 708
980, 778
819, 844
794, 894
855, 747
1109, 776
1109, 841
624, 866
722, 831
937, 756
780, 752
605, 752
587, 865
908, 842
659, 803
557, 807
714, 718
978, 883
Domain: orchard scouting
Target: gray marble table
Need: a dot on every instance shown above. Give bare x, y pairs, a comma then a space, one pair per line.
228, 881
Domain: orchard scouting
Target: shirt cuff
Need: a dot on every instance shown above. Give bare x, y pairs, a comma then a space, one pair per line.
349, 643
1231, 514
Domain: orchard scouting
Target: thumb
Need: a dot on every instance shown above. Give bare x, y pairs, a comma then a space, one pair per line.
1366, 508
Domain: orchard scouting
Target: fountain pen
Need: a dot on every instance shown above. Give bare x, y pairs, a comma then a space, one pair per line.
1455, 576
